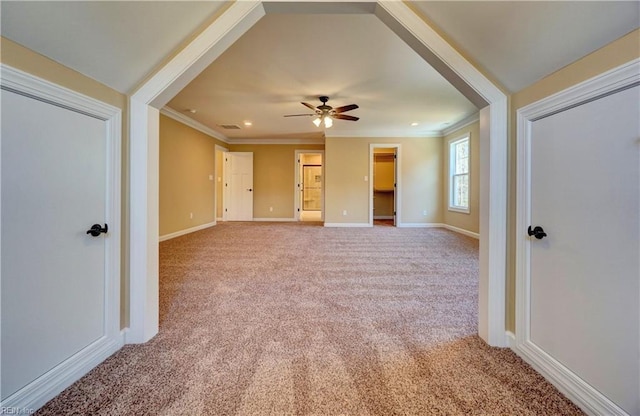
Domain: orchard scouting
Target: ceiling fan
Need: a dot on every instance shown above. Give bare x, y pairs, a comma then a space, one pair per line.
325, 113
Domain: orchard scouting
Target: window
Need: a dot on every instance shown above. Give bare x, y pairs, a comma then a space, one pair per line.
459, 174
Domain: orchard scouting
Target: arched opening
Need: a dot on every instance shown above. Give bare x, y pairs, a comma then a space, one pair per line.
204, 49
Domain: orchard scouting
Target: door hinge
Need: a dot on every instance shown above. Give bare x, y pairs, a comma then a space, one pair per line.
298, 209
395, 156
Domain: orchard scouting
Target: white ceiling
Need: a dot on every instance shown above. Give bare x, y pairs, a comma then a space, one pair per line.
288, 58
285, 59
114, 42
520, 42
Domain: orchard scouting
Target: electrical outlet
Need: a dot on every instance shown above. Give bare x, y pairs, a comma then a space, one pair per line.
344, 212
270, 209
424, 212
191, 215
210, 177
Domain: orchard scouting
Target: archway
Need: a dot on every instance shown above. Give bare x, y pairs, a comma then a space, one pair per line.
215, 39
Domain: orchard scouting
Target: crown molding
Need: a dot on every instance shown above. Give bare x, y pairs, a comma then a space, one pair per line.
275, 141
462, 123
423, 135
177, 116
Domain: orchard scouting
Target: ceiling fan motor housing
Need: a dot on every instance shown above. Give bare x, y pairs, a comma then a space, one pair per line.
324, 107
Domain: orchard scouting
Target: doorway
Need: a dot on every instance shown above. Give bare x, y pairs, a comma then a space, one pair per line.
179, 71
385, 186
219, 192
309, 190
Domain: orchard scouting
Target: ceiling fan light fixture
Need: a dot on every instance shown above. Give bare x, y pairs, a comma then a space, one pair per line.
325, 113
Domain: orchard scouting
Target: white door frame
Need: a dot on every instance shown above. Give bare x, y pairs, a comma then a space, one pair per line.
219, 148
567, 382
297, 208
397, 191
37, 393
210, 44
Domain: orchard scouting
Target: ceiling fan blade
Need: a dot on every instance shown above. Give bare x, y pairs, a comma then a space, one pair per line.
345, 108
299, 115
309, 105
345, 117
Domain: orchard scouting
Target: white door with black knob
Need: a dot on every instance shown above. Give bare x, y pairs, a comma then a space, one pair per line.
579, 247
60, 238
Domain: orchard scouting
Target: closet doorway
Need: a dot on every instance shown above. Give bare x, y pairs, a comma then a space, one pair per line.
384, 185
309, 191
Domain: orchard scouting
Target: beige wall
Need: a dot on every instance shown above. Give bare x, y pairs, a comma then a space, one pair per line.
470, 221
420, 176
187, 159
19, 57
621, 51
273, 177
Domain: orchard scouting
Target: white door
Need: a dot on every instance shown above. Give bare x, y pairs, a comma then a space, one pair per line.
239, 184
59, 298
585, 273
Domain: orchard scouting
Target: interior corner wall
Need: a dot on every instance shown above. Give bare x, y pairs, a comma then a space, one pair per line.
347, 165
274, 177
187, 160
618, 52
466, 221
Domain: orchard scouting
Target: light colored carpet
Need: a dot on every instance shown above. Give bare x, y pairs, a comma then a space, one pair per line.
297, 319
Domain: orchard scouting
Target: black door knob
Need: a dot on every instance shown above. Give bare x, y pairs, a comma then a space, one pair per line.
537, 232
250, 190
97, 229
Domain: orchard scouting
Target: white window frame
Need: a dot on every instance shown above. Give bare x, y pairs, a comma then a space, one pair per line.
452, 163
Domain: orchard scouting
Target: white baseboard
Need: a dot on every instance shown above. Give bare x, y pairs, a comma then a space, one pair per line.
186, 231
275, 219
590, 400
347, 224
419, 225
37, 393
462, 231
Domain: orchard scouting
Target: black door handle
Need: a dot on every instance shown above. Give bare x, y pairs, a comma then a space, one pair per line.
537, 232
250, 190
96, 230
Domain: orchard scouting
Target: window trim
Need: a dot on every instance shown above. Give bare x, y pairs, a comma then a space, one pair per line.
451, 143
